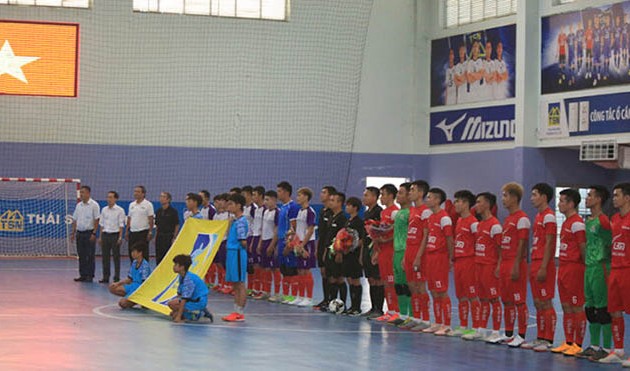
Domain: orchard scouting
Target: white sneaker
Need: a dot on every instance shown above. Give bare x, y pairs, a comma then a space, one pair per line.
443, 331
516, 342
495, 338
626, 363
613, 357
306, 302
531, 344
458, 332
295, 301
477, 335
434, 328
544, 346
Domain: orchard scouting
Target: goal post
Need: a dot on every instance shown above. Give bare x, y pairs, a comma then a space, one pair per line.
36, 216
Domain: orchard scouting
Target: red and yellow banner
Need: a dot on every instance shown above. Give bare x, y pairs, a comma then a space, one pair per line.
39, 58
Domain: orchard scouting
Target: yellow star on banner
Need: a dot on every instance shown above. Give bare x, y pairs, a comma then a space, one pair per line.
11, 64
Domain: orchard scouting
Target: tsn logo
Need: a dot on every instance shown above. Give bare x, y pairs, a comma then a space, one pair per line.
564, 247
412, 230
619, 246
460, 245
506, 240
432, 239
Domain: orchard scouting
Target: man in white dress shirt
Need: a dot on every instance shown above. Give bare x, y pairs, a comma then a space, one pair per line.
140, 220
84, 225
112, 222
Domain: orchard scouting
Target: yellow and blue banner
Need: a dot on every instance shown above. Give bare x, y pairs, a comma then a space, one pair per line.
198, 238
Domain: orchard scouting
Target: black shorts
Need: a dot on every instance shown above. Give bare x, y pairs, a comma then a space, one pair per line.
321, 255
351, 266
333, 269
288, 271
589, 53
370, 270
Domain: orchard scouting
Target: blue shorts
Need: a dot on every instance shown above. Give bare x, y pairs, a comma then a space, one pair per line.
236, 265
130, 288
194, 310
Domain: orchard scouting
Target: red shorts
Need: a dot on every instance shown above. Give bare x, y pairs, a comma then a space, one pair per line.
619, 290
437, 267
513, 291
571, 283
542, 290
465, 280
386, 265
487, 282
410, 256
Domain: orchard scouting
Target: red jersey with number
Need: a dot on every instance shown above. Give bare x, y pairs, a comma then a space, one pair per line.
544, 225
440, 227
465, 236
515, 228
621, 241
387, 216
572, 234
418, 218
489, 233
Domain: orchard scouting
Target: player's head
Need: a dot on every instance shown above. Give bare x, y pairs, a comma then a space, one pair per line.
569, 200
336, 201
285, 190
475, 49
137, 250
464, 200
485, 202
435, 198
139, 192
258, 194
324, 194
488, 50
462, 53
84, 193
542, 194
370, 196
193, 201
621, 195
247, 193
205, 197
165, 198
353, 205
511, 194
418, 190
304, 195
181, 263
112, 197
597, 196
388, 194
499, 49
234, 190
451, 57
402, 197
235, 203
271, 199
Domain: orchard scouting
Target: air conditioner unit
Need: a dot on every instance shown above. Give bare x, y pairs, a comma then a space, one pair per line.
605, 153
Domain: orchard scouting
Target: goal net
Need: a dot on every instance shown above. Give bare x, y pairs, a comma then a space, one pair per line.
36, 216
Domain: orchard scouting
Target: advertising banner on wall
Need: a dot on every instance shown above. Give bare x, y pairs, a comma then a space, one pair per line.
586, 49
601, 114
473, 67
487, 124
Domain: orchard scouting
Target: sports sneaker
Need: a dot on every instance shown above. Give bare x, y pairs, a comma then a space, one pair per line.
368, 313
432, 329
395, 320
495, 338
295, 301
354, 313
531, 344
612, 357
320, 304
384, 318
626, 363
599, 354
306, 302
234, 317
421, 326
208, 315
287, 299
571, 352
375, 315
544, 346
587, 353
444, 331
516, 342
560, 349
407, 324
474, 335
457, 332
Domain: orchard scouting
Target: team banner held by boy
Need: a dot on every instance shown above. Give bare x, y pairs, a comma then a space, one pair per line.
198, 238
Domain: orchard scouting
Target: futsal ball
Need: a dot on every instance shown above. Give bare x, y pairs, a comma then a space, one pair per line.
336, 306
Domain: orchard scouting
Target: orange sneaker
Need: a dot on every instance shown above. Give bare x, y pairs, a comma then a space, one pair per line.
384, 318
234, 317
561, 349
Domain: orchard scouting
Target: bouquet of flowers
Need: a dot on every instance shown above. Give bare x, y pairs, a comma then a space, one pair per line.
377, 229
347, 240
293, 244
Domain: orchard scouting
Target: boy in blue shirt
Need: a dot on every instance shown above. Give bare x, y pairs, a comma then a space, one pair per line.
138, 273
236, 261
192, 293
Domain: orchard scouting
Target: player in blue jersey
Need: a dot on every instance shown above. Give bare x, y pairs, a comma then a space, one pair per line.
579, 47
287, 217
236, 259
192, 293
606, 47
193, 203
571, 57
617, 32
138, 273
597, 50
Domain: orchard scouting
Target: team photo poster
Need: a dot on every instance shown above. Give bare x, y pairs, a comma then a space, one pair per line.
586, 49
473, 67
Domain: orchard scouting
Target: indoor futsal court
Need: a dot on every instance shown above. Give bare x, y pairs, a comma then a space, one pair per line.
314, 184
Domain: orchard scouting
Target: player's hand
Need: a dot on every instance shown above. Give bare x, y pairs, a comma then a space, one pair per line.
259, 250
127, 236
93, 238
338, 258
178, 319
374, 257
496, 272
149, 236
72, 237
541, 276
99, 241
515, 273
402, 263
416, 264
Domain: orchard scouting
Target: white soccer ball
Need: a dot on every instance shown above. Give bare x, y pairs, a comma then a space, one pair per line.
336, 306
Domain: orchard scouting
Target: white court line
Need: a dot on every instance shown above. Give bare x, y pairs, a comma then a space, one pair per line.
72, 315
37, 269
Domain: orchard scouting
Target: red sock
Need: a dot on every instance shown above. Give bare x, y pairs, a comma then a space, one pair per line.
568, 322
446, 310
551, 319
523, 316
266, 281
540, 324
425, 302
437, 311
476, 314
579, 327
485, 314
510, 316
285, 285
258, 286
497, 313
309, 285
295, 285
221, 275
250, 281
277, 277
392, 298
416, 310
464, 307
618, 330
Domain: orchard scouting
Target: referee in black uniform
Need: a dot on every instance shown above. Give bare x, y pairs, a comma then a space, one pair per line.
334, 262
322, 231
371, 271
167, 226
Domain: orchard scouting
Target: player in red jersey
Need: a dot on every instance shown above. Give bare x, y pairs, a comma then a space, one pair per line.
542, 276
571, 273
384, 252
619, 280
487, 259
437, 250
464, 266
418, 217
513, 270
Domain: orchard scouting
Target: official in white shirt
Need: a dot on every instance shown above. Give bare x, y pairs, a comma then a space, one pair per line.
84, 226
111, 222
140, 221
